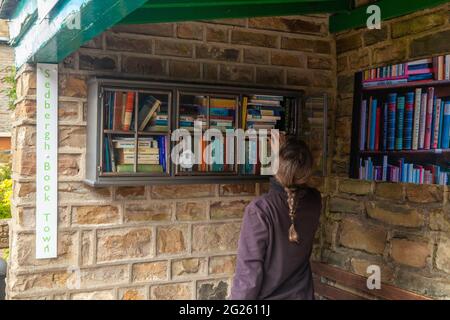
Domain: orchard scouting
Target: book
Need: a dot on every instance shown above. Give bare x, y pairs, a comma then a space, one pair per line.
441, 122
119, 108
112, 154
392, 114
222, 103
362, 125
377, 128
447, 67
423, 119
147, 111
385, 126
420, 77
437, 121
429, 119
446, 126
129, 108
441, 68
416, 124
399, 123
150, 168
408, 125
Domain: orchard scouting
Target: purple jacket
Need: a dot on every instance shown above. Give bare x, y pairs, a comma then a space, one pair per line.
268, 265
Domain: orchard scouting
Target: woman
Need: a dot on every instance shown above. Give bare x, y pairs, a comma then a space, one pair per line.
278, 232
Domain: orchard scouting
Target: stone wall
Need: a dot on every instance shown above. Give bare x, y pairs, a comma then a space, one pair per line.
4, 234
6, 60
404, 228
152, 242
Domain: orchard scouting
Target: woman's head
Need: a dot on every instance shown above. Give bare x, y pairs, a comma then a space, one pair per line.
295, 163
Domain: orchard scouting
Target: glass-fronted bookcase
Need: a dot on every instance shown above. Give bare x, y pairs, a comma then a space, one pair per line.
132, 128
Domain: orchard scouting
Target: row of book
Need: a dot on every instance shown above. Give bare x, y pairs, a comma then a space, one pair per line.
417, 120
437, 68
262, 112
120, 154
119, 112
402, 171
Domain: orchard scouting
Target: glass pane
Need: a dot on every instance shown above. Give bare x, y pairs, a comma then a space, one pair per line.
192, 108
117, 156
152, 154
153, 113
222, 113
264, 112
119, 110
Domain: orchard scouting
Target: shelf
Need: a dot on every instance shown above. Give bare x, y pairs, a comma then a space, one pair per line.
415, 84
405, 152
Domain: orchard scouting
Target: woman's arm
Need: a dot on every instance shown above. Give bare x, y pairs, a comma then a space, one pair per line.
251, 252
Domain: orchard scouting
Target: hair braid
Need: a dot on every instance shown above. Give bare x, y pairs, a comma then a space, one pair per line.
292, 203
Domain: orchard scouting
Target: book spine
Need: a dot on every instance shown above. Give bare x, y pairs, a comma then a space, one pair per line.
362, 125
441, 68
392, 99
447, 67
377, 128
416, 125
437, 121
423, 120
408, 126
369, 123
446, 126
385, 125
400, 120
429, 121
128, 111
373, 119
441, 122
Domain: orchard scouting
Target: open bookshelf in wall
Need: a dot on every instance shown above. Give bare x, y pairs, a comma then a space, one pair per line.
132, 124
401, 123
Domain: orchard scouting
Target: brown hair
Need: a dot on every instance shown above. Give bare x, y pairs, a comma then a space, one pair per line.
295, 167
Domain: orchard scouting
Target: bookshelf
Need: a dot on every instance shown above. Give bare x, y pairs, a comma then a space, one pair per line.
123, 114
401, 123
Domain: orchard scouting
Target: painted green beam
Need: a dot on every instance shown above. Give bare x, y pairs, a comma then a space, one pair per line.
389, 9
157, 11
72, 23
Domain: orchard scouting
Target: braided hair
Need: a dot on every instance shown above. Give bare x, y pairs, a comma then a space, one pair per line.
295, 167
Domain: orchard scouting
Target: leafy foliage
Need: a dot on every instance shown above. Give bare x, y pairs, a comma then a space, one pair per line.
5, 192
9, 82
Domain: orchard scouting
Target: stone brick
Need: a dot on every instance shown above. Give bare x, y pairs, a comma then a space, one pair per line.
24, 191
249, 38
397, 215
430, 44
330, 229
203, 51
94, 43
418, 24
216, 34
26, 217
72, 137
243, 189
25, 109
143, 66
172, 240
424, 193
298, 78
74, 192
191, 211
174, 291
375, 36
440, 219
72, 86
149, 271
112, 275
290, 24
28, 84
236, 73
130, 193
190, 30
322, 78
342, 63
443, 254
319, 62
4, 234
173, 48
187, 268
119, 244
348, 42
68, 111
69, 62
4, 29
272, 76
344, 108
25, 162
184, 69
97, 62
154, 211
38, 282
359, 59
212, 290
210, 71
306, 45
345, 83
87, 248
335, 258
355, 235
432, 286
355, 187
26, 251
137, 293
95, 215
288, 59
410, 253
222, 265
392, 191
153, 29
182, 191
94, 295
345, 205
215, 237
228, 209
256, 56
393, 52
229, 21
127, 43
360, 266
69, 165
